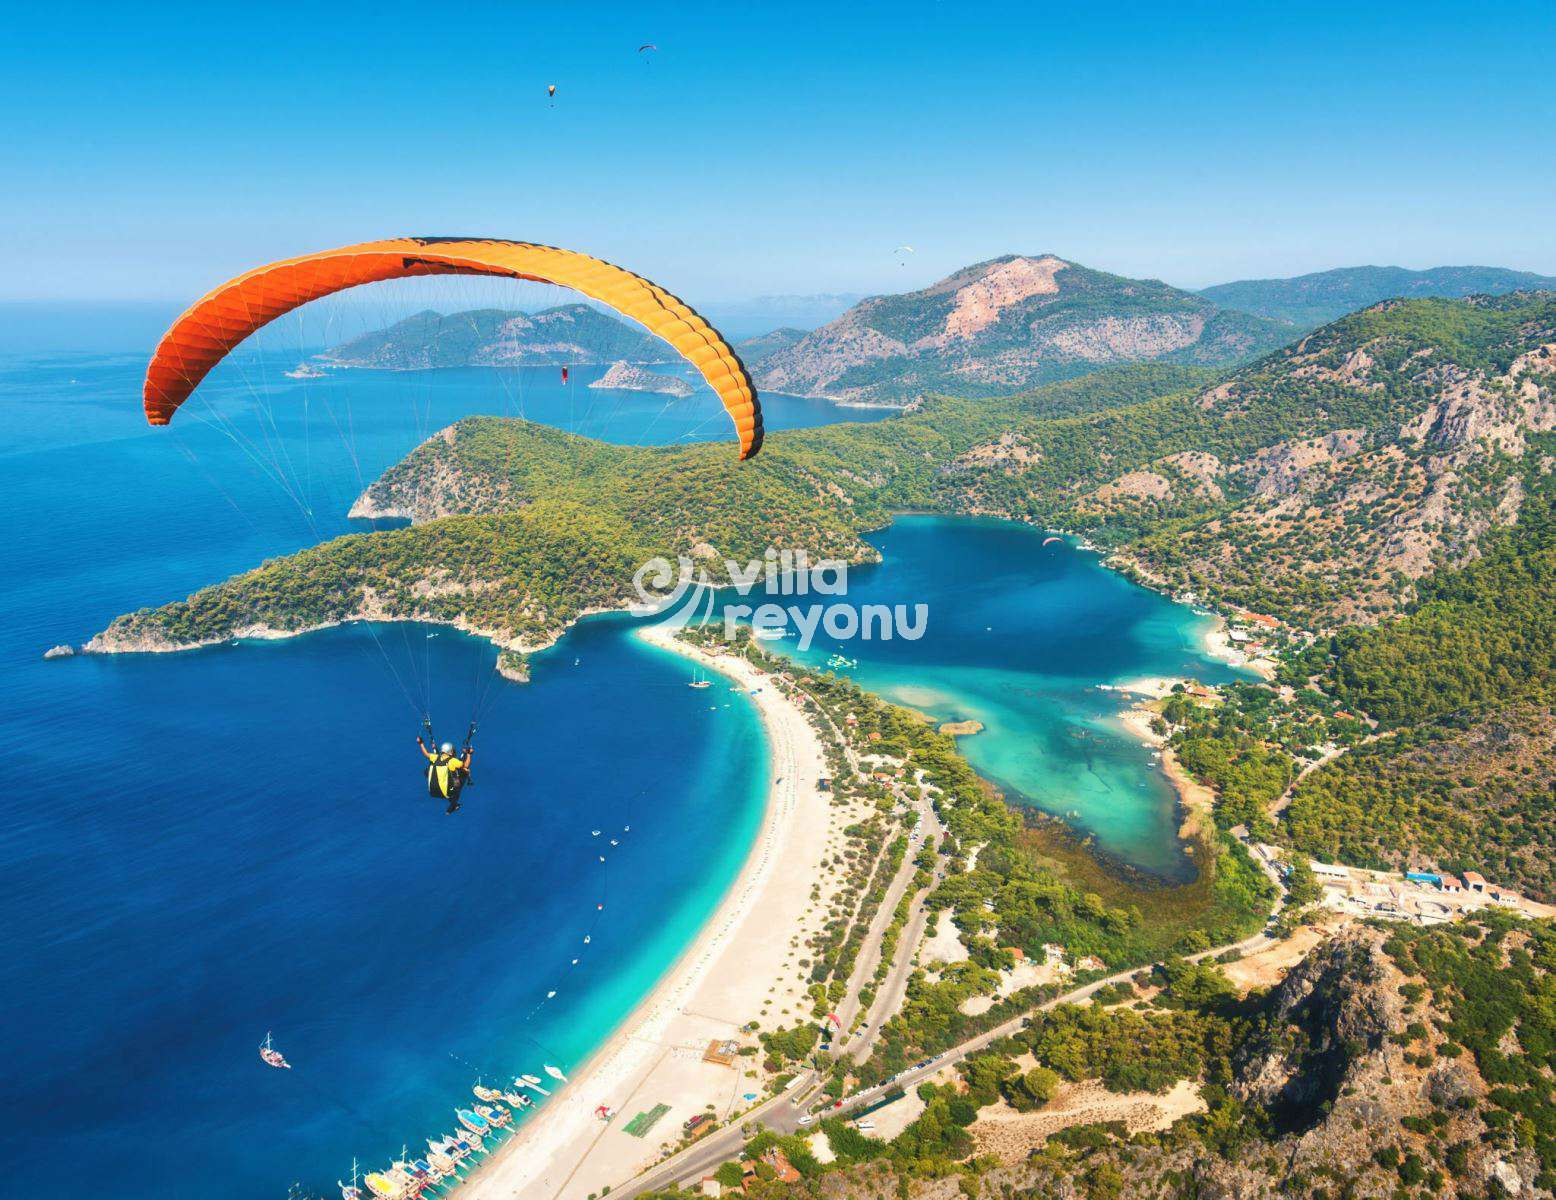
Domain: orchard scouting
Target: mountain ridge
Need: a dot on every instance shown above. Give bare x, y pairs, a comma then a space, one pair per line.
567, 334
1007, 324
1308, 301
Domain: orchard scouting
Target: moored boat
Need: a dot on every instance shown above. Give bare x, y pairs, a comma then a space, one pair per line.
381, 1185
496, 1116
471, 1121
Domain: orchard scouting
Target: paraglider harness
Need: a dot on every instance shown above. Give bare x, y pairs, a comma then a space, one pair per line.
458, 774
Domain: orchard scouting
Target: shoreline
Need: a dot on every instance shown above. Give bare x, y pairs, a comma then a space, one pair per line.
564, 1150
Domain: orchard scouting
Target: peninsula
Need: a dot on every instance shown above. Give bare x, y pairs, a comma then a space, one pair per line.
628, 378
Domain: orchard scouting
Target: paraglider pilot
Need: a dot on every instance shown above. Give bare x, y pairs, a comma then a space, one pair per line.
447, 772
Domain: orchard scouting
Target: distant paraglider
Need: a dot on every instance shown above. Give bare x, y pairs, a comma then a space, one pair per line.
646, 46
901, 253
551, 94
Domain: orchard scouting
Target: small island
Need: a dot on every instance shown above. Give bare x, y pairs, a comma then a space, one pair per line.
628, 378
961, 728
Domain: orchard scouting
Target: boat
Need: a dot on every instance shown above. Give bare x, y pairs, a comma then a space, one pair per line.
272, 1056
435, 1174
471, 1121
352, 1190
495, 1117
519, 1099
450, 1147
555, 1074
700, 683
381, 1185
486, 1093
532, 1083
767, 633
442, 1160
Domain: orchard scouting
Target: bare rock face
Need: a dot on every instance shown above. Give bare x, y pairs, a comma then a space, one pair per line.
60, 652
1003, 325
1329, 1013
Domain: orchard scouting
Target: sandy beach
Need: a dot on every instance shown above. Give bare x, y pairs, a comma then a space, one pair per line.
741, 968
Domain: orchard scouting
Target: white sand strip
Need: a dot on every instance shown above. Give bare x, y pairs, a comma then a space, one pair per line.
737, 962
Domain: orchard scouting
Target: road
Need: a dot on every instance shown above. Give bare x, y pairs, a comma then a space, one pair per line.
889, 995
783, 1115
870, 951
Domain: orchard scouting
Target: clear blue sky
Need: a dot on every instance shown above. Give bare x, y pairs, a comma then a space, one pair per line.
149, 151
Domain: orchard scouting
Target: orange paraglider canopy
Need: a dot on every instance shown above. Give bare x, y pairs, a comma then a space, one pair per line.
204, 334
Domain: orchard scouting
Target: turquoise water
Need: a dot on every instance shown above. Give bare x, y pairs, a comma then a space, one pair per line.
1018, 636
198, 848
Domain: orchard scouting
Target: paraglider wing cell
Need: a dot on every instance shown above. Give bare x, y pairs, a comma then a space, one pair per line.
209, 330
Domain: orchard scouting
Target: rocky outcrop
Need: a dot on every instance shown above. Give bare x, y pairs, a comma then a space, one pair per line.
628, 378
1329, 1014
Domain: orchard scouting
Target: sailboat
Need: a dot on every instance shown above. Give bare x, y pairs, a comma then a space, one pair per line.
352, 1190
555, 1073
699, 678
271, 1055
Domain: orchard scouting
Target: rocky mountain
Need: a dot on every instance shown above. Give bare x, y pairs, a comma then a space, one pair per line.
1309, 301
1008, 324
568, 334
1318, 484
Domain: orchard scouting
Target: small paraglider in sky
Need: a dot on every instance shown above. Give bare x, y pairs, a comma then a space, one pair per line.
902, 253
551, 94
646, 46
564, 374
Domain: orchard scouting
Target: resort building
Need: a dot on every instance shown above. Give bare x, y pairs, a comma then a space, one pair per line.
782, 1168
1475, 881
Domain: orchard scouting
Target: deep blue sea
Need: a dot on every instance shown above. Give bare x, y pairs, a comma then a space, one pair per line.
200, 848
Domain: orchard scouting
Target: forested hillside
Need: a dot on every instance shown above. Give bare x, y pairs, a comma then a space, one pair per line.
1308, 301
566, 334
1319, 484
1388, 1063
